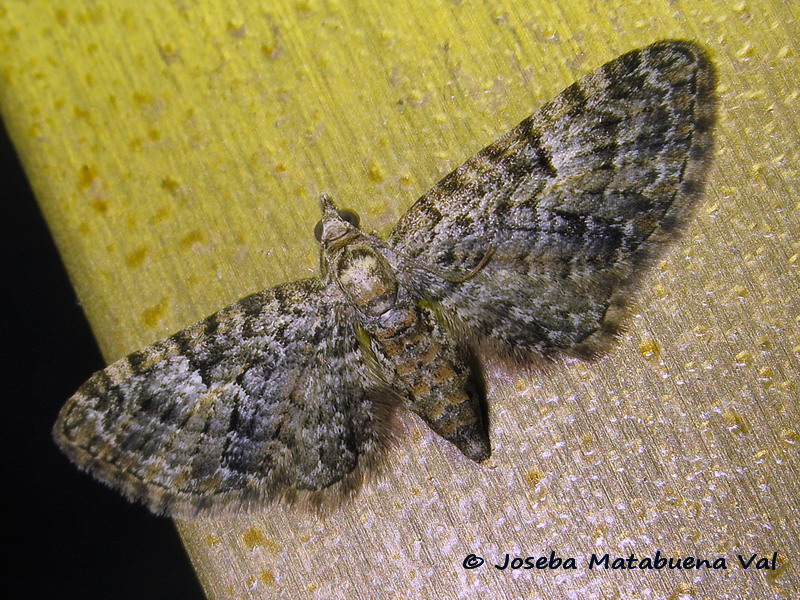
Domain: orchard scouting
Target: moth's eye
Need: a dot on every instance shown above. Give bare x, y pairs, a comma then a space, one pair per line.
350, 216
318, 231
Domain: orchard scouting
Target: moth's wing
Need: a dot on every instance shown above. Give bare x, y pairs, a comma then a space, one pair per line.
536, 238
270, 397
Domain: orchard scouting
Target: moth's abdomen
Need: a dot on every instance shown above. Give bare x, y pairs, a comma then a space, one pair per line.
436, 371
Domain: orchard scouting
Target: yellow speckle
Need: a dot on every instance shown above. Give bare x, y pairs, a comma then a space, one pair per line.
169, 53
304, 7
170, 184
772, 577
690, 533
142, 98
766, 373
62, 17
745, 50
192, 238
387, 35
86, 176
661, 291
650, 349
267, 577
790, 438
136, 258
683, 590
744, 358
754, 94
740, 291
237, 29
270, 50
271, 546
736, 424
161, 215
153, 314
415, 96
255, 537
98, 205
94, 15
672, 498
588, 444
375, 173
82, 114
212, 540
534, 476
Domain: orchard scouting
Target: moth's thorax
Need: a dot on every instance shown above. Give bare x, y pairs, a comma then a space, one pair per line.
365, 277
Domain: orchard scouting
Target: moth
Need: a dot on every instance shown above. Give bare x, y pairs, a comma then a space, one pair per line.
532, 246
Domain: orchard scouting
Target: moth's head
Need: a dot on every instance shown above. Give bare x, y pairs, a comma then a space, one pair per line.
352, 261
337, 226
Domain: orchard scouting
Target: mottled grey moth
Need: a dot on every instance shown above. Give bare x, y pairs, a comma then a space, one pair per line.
531, 246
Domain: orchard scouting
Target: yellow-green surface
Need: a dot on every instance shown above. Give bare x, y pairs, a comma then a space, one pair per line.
177, 149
